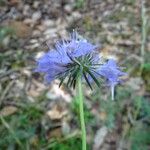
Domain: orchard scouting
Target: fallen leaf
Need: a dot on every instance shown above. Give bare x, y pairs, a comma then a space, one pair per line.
13, 2
56, 113
54, 133
103, 115
21, 29
8, 110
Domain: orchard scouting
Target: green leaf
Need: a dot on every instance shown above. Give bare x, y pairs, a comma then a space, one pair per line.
94, 78
146, 66
61, 82
84, 74
74, 77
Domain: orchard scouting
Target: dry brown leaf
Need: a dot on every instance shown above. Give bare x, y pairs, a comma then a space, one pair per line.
8, 110
56, 113
21, 29
34, 141
55, 133
103, 115
13, 2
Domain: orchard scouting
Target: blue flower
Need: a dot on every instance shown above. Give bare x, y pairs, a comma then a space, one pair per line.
76, 56
111, 72
64, 59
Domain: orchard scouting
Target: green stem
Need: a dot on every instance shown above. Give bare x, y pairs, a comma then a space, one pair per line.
81, 106
144, 22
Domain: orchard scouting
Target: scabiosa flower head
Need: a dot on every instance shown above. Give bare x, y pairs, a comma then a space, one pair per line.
76, 57
69, 59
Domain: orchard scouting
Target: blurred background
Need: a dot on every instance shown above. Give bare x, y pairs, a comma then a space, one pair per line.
35, 116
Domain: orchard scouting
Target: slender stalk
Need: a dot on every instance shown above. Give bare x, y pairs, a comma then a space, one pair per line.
81, 106
144, 20
143, 34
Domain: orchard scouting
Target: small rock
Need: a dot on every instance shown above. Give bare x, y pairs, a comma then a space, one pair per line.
99, 138
135, 83
76, 15
36, 33
26, 72
33, 41
26, 10
59, 93
40, 28
6, 41
50, 31
48, 23
28, 21
36, 16
36, 4
68, 8
52, 96
39, 54
65, 128
69, 19
35, 45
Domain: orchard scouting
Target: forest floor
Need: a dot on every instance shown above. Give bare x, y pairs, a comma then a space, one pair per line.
35, 116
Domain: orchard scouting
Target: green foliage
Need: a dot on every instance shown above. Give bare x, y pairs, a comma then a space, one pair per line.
19, 127
25, 122
79, 4
139, 133
5, 31
67, 145
146, 66
140, 138
145, 109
